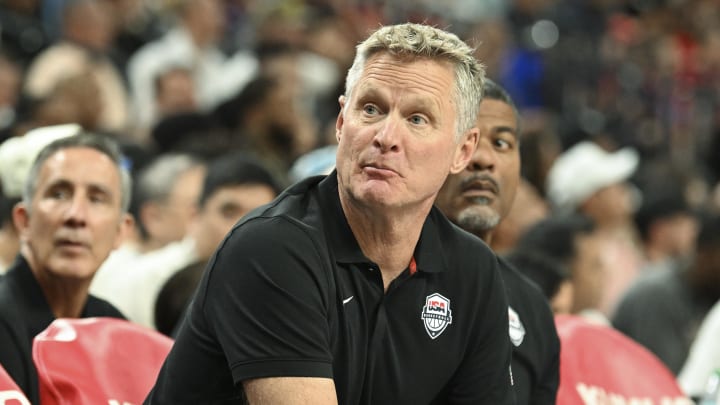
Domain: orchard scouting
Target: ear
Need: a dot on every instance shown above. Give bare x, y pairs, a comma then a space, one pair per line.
21, 219
464, 151
340, 118
125, 228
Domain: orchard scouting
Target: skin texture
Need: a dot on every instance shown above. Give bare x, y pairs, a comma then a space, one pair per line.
396, 145
74, 221
480, 196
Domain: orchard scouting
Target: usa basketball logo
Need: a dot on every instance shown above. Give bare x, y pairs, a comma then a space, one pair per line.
436, 314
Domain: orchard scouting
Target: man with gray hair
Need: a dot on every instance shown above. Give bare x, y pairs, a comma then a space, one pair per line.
73, 213
351, 288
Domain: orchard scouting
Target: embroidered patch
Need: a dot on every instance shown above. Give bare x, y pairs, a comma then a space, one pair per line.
436, 314
516, 330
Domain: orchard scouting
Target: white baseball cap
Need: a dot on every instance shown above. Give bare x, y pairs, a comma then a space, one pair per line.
584, 169
17, 155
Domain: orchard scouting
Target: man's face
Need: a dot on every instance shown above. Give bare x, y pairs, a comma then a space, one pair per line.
224, 208
396, 134
176, 213
75, 218
480, 196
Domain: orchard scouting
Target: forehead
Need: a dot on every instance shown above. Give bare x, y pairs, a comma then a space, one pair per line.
79, 165
498, 111
420, 76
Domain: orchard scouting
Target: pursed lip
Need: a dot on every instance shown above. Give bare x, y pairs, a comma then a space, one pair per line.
378, 168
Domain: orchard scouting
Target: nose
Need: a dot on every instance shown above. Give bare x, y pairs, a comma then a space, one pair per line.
387, 138
75, 214
484, 157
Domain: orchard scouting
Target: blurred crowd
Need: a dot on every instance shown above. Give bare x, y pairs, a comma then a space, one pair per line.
220, 104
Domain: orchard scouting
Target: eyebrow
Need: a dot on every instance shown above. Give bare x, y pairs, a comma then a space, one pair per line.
92, 187
504, 128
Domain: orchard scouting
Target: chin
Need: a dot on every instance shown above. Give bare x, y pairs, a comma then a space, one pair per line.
72, 269
478, 219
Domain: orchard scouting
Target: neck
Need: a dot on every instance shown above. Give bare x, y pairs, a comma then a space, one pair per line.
66, 297
387, 237
654, 255
9, 245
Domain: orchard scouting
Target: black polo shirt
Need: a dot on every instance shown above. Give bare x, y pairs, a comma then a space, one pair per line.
536, 345
290, 293
24, 312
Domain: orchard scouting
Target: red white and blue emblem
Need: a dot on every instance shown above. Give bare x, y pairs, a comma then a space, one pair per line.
436, 314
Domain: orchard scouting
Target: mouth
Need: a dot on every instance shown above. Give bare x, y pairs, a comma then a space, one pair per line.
378, 169
480, 189
72, 244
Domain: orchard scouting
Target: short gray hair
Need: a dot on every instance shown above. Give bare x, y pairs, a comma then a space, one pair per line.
100, 143
418, 40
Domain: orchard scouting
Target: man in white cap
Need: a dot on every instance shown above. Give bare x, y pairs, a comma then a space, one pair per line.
589, 180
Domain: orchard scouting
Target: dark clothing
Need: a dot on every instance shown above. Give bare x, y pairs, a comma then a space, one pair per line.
536, 345
24, 313
290, 293
661, 312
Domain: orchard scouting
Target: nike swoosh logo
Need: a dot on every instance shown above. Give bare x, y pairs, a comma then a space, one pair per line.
346, 300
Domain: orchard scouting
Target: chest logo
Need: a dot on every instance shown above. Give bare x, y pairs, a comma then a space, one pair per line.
436, 314
517, 330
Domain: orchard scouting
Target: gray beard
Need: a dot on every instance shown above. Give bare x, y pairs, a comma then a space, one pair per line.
478, 220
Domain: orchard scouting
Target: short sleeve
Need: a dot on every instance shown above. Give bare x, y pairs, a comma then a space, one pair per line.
266, 300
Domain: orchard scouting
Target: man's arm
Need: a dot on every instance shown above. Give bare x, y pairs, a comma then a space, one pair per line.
290, 391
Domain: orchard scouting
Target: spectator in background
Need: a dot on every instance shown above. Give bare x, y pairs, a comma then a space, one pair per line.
667, 225
663, 309
477, 199
73, 213
11, 77
549, 275
234, 185
573, 242
16, 157
192, 42
81, 60
587, 179
527, 209
174, 92
165, 202
265, 117
193, 132
23, 35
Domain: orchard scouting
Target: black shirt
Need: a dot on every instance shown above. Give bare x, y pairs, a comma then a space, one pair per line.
536, 345
24, 313
290, 293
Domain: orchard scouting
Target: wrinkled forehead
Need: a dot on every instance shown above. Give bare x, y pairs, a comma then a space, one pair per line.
80, 165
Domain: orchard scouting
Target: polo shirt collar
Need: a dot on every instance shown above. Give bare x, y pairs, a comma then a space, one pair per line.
429, 252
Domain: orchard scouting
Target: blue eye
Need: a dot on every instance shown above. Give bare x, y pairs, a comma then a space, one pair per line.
370, 109
418, 119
